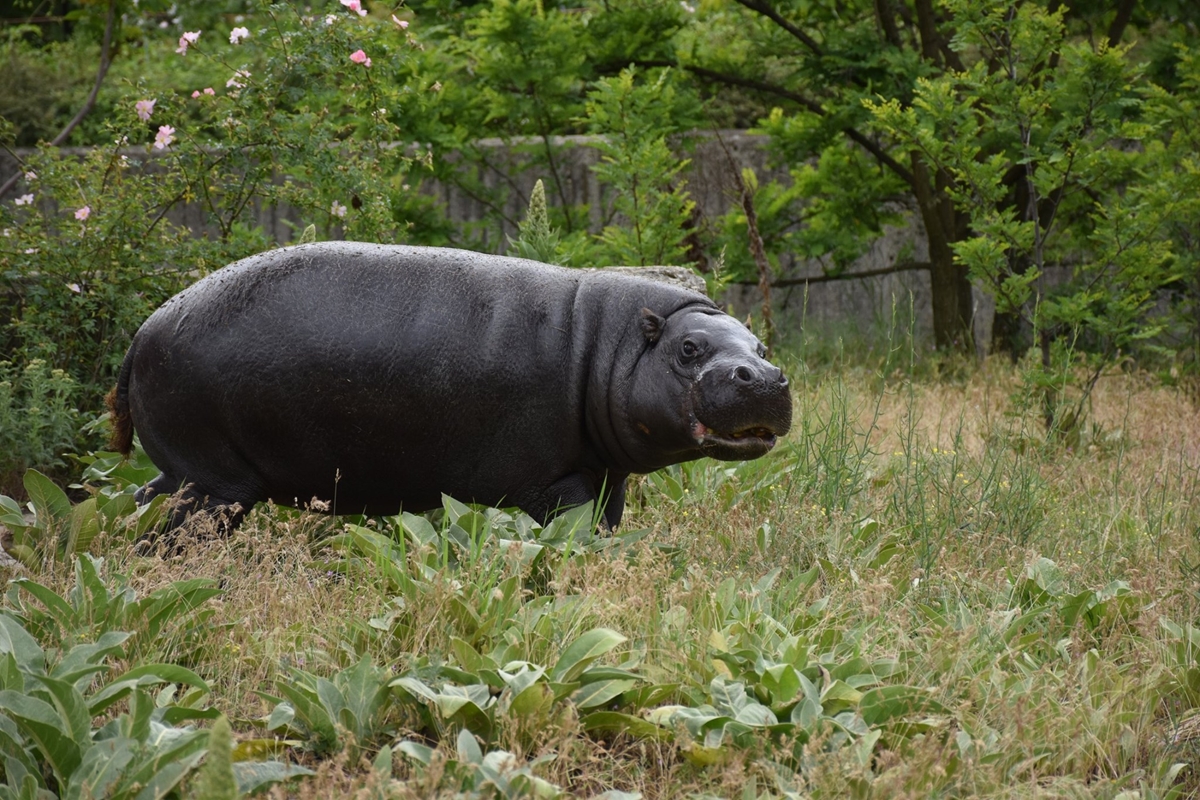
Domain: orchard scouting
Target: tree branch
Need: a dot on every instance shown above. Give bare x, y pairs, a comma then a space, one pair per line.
756, 245
885, 12
1117, 29
761, 7
812, 105
105, 61
907, 266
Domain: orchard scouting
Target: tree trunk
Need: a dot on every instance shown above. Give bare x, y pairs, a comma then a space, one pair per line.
950, 289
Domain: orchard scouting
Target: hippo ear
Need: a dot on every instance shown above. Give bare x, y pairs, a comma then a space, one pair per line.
652, 325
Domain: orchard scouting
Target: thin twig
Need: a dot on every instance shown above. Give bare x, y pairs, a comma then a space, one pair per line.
756, 246
105, 62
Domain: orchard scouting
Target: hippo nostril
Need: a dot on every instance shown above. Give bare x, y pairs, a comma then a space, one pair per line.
743, 375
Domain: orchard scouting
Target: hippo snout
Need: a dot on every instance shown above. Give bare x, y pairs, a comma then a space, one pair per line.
766, 373
741, 409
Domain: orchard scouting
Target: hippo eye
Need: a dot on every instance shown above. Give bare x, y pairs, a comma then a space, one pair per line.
689, 348
762, 351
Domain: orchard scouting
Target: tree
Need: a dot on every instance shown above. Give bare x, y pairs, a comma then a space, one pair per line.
828, 65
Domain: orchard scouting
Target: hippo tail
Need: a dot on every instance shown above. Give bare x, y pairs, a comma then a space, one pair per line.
119, 417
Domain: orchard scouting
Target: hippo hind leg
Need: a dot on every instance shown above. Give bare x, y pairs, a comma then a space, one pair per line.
189, 501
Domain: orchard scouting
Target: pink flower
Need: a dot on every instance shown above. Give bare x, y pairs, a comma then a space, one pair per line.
359, 57
209, 90
337, 209
31, 176
403, 23
164, 137
188, 38
144, 109
237, 34
195, 94
355, 6
23, 200
83, 213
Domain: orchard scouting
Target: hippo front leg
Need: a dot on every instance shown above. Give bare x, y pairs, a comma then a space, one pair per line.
574, 490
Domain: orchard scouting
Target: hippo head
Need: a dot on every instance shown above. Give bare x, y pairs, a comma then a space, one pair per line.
703, 388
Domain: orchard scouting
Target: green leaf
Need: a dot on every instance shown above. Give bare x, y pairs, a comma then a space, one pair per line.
468, 748
82, 527
145, 675
600, 693
72, 709
50, 503
254, 776
885, 703
422, 754
382, 765
103, 765
39, 721
586, 649
24, 648
59, 608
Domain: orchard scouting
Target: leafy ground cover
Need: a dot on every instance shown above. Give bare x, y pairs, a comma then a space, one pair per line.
915, 597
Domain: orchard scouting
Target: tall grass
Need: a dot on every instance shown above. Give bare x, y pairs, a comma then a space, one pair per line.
1036, 601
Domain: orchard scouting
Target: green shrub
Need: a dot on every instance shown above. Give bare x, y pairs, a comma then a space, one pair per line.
38, 419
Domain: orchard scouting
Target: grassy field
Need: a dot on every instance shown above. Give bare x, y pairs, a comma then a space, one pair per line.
915, 596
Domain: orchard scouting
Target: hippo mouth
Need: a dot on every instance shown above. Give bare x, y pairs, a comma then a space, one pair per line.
740, 444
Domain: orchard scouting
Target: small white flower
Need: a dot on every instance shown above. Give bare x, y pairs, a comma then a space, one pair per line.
31, 176
237, 34
23, 200
74, 287
337, 209
330, 19
30, 251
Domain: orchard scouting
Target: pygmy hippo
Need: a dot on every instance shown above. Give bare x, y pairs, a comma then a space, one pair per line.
371, 377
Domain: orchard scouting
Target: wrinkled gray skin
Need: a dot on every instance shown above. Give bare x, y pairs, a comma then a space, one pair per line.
373, 376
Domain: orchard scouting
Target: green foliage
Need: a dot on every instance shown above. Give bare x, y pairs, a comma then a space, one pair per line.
497, 773
97, 606
538, 240
38, 418
45, 82
1086, 199
59, 735
60, 531
348, 710
93, 244
650, 200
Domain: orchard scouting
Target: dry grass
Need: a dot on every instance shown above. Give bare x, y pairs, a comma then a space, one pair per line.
968, 493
